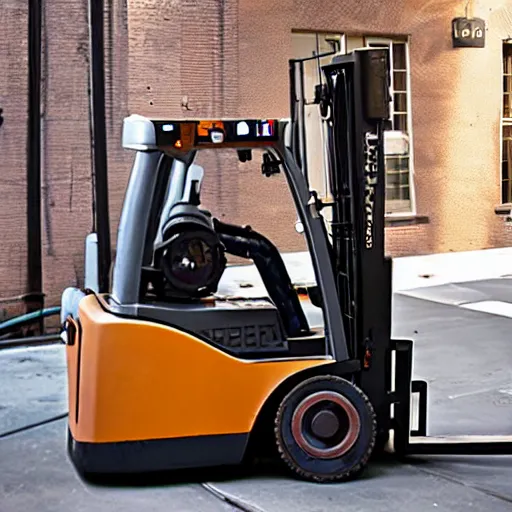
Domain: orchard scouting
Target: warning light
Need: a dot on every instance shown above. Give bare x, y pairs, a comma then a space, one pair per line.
178, 144
367, 359
265, 128
217, 136
204, 128
242, 128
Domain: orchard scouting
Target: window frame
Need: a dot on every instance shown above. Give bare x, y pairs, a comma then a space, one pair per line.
388, 41
364, 40
504, 122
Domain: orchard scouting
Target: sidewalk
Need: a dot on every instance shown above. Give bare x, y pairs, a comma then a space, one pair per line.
408, 272
455, 267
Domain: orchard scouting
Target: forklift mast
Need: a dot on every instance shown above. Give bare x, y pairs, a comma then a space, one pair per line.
354, 103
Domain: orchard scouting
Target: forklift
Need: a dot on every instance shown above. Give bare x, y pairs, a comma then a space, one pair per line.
166, 373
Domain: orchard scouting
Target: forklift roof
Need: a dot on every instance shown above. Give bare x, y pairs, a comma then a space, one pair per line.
143, 134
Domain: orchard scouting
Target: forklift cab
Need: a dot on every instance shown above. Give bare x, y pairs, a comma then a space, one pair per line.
169, 268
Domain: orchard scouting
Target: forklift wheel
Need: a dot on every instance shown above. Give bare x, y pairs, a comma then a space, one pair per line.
325, 429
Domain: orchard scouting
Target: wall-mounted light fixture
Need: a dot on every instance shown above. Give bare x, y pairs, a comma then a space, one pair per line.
468, 33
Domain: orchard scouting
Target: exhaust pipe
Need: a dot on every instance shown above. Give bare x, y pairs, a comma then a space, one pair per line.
246, 243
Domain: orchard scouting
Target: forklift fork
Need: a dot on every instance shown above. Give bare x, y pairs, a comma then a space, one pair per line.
418, 442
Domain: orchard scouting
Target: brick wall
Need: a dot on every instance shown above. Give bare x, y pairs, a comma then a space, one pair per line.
183, 58
13, 101
66, 195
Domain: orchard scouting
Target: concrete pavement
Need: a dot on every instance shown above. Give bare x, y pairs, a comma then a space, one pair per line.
465, 355
36, 476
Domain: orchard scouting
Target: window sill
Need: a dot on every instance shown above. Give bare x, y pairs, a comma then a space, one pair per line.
405, 220
503, 209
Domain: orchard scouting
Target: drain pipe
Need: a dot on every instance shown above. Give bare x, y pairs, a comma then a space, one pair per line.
99, 142
34, 298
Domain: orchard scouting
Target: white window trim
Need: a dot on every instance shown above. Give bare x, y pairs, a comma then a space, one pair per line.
412, 189
504, 121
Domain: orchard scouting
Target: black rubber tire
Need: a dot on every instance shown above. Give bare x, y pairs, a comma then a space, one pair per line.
351, 463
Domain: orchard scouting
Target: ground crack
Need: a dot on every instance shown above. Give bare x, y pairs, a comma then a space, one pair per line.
454, 480
230, 499
32, 426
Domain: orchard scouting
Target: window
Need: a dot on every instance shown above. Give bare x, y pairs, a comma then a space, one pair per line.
506, 126
398, 136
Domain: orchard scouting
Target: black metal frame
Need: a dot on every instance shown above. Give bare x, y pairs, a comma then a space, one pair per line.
359, 106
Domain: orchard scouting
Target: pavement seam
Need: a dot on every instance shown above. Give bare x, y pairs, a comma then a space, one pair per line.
454, 480
230, 499
32, 426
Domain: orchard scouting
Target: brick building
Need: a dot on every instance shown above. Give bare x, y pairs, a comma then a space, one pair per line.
176, 58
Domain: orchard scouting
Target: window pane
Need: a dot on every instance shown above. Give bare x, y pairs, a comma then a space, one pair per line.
404, 179
505, 172
392, 194
399, 81
506, 163
397, 179
507, 58
400, 122
507, 79
399, 61
504, 191
507, 83
398, 206
397, 184
400, 102
506, 106
397, 163
392, 179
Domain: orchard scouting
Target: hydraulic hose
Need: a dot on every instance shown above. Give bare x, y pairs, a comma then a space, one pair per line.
27, 318
246, 243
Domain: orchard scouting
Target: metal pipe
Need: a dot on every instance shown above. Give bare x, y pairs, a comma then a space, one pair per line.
99, 140
293, 111
302, 124
316, 56
34, 263
33, 341
28, 318
245, 243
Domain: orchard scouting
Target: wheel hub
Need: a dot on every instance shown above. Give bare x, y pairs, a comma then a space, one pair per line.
326, 425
